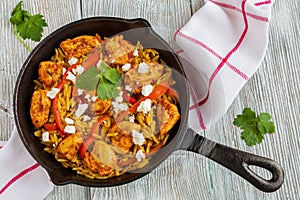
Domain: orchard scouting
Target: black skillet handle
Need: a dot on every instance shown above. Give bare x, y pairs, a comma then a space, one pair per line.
237, 161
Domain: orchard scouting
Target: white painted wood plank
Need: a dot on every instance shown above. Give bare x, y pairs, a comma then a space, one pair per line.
274, 89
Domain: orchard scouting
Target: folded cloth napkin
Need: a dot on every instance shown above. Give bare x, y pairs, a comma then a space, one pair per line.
222, 45
21, 177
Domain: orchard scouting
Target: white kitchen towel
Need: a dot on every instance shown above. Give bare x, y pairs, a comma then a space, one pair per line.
222, 45
21, 177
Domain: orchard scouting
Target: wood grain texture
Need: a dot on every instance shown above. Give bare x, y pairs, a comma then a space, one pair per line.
274, 88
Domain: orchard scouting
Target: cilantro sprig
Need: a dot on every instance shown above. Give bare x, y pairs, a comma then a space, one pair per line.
254, 127
27, 26
103, 78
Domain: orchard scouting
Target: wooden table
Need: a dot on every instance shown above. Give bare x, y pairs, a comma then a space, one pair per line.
274, 88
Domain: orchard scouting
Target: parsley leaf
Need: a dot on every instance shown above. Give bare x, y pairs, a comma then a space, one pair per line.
254, 127
88, 80
104, 79
27, 26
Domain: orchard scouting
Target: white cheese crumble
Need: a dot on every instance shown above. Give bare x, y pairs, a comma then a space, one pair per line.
79, 91
119, 106
73, 61
139, 155
128, 88
64, 71
86, 118
147, 89
113, 60
69, 120
137, 138
143, 68
119, 98
45, 137
79, 69
81, 109
99, 63
70, 129
135, 52
126, 67
145, 106
131, 118
71, 77
88, 97
52, 93
94, 98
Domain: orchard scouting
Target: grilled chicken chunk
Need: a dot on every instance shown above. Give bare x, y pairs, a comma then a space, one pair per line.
50, 73
69, 147
167, 115
79, 46
135, 79
39, 108
117, 50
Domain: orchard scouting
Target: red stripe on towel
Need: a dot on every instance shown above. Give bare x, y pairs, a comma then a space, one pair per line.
235, 69
257, 17
232, 51
263, 3
18, 176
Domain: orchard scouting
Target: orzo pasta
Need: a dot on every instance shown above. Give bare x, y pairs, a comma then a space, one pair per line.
103, 106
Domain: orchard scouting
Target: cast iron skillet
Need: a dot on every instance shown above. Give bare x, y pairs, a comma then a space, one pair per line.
181, 136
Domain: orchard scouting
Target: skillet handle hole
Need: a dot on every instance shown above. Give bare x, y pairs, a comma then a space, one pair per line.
262, 172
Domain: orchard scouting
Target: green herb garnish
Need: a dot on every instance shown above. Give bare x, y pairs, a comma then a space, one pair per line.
27, 26
104, 79
254, 127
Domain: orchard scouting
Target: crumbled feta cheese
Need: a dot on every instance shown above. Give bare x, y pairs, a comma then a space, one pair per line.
45, 137
81, 109
52, 93
137, 138
74, 71
112, 61
88, 97
70, 129
135, 52
119, 99
79, 69
99, 63
145, 106
147, 89
143, 68
94, 98
139, 155
119, 106
86, 118
123, 107
69, 120
128, 88
109, 55
131, 118
126, 67
71, 77
73, 61
64, 71
79, 91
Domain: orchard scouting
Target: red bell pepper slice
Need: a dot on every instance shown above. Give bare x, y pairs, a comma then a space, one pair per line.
157, 91
90, 138
50, 126
92, 59
56, 113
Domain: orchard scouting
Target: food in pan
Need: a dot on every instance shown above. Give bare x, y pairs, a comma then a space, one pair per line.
103, 107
